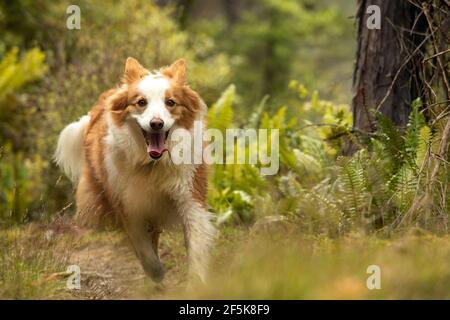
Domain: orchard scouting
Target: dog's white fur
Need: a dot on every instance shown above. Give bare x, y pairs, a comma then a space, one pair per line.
153, 87
69, 151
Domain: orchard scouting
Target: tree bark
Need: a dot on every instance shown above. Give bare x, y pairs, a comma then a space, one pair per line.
386, 77
231, 12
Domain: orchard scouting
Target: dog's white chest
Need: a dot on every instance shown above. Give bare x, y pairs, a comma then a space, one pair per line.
145, 192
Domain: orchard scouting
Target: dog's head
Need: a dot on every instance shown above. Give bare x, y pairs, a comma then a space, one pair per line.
156, 101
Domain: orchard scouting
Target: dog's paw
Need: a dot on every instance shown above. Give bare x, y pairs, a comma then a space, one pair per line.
155, 270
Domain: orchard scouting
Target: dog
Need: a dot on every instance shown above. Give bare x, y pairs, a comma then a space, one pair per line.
119, 158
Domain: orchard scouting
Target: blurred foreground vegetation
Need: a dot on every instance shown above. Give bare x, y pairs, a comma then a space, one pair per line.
278, 64
275, 263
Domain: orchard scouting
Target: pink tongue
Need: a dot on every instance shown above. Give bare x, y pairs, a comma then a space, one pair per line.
156, 144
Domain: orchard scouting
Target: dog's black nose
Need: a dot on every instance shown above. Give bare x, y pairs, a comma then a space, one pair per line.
156, 124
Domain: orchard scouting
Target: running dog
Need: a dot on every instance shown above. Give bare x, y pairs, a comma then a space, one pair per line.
119, 158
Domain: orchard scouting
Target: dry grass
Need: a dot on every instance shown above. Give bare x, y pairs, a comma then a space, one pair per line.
27, 256
281, 264
290, 266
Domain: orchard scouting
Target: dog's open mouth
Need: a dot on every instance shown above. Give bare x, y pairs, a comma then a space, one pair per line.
156, 143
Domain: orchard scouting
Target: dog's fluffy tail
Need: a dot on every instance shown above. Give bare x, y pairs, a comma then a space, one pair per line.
69, 155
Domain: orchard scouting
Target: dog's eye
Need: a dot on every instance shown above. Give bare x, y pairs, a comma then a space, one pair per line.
142, 102
170, 102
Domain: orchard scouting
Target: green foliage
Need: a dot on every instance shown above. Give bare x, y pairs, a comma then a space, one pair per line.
353, 184
20, 185
20, 173
415, 124
270, 40
239, 194
14, 73
327, 192
392, 141
220, 114
423, 145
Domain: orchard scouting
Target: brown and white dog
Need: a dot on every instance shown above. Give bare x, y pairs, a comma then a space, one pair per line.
118, 156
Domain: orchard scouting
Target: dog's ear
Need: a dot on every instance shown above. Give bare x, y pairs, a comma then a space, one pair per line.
118, 101
133, 71
117, 105
177, 71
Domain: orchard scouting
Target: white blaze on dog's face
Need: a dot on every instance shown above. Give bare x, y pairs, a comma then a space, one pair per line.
153, 88
155, 120
156, 101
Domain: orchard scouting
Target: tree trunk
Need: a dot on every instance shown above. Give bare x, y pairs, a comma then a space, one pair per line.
386, 75
231, 12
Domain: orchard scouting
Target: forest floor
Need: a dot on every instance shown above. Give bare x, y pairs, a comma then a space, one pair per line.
247, 263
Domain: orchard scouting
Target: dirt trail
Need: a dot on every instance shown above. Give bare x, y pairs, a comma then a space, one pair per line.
110, 269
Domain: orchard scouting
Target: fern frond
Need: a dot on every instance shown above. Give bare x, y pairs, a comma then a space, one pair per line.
424, 144
392, 141
415, 123
404, 184
220, 115
255, 117
353, 183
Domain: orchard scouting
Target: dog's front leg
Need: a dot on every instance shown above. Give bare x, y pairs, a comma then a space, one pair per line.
199, 233
144, 239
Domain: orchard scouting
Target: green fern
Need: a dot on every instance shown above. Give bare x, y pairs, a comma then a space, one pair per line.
353, 183
220, 115
393, 142
404, 185
255, 117
320, 211
415, 123
423, 145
